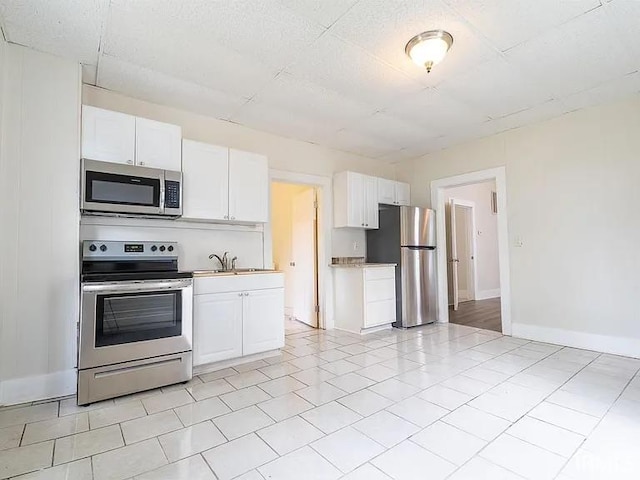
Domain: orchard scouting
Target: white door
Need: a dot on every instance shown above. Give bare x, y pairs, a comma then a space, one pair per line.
263, 320
403, 193
205, 180
453, 254
248, 187
217, 327
303, 264
371, 219
386, 191
108, 136
158, 145
465, 252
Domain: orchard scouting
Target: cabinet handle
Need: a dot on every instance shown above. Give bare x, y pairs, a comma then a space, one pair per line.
233, 218
240, 294
226, 217
141, 163
130, 162
246, 294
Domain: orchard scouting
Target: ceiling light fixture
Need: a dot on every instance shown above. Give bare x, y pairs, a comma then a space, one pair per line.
429, 48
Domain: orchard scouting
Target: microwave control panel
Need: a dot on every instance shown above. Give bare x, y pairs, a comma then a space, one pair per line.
172, 194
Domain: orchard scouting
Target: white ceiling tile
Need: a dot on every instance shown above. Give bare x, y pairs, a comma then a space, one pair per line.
394, 130
351, 71
383, 27
581, 54
539, 113
607, 92
68, 28
283, 122
145, 84
311, 100
435, 111
625, 15
508, 23
263, 31
354, 142
140, 37
324, 12
495, 88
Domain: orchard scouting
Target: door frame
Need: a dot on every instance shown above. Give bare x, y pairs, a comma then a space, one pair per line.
324, 195
438, 196
474, 245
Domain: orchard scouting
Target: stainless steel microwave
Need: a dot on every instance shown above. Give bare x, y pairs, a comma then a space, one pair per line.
119, 189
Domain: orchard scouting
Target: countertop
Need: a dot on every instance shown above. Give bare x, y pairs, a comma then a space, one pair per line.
230, 273
361, 265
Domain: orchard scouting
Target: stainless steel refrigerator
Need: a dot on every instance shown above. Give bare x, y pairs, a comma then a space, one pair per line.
407, 237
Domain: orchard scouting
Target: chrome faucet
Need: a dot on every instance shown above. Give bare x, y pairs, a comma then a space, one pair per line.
224, 260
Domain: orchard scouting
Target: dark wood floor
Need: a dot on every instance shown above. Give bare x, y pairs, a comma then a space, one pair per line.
478, 313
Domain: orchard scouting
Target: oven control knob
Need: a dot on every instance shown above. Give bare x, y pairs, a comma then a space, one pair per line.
170, 248
92, 248
103, 248
154, 248
162, 248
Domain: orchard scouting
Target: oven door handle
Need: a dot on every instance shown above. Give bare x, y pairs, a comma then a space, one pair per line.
144, 286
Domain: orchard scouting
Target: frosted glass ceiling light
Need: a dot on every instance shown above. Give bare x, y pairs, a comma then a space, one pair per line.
429, 48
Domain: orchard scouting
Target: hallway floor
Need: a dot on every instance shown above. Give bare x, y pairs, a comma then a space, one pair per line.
439, 401
479, 314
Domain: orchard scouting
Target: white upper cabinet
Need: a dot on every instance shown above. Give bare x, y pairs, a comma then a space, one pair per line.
108, 136
224, 185
355, 200
205, 180
391, 192
370, 206
403, 194
386, 191
120, 138
248, 187
158, 145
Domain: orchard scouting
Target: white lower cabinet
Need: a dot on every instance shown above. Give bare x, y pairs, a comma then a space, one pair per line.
365, 297
237, 316
217, 333
262, 321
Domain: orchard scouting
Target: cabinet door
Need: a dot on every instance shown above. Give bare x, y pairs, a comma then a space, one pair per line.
217, 327
370, 203
205, 179
248, 187
108, 136
355, 200
263, 321
403, 193
158, 145
386, 191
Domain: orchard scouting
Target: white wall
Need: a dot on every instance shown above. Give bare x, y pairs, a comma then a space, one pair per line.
573, 196
487, 266
39, 178
284, 154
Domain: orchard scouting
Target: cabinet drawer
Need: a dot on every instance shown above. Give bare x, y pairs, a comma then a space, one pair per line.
376, 273
237, 283
382, 289
380, 313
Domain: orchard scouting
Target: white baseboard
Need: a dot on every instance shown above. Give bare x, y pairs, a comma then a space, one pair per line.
486, 294
629, 347
38, 387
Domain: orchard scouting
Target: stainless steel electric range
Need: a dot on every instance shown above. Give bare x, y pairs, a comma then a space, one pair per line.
136, 319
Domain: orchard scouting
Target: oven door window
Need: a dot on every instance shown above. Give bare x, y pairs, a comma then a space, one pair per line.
127, 318
122, 189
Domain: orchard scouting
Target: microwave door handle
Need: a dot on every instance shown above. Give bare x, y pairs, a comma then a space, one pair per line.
162, 194
154, 286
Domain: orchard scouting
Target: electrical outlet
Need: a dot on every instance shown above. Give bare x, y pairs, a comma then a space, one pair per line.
355, 246
517, 242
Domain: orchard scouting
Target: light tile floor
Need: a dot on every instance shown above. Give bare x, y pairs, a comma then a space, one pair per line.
433, 402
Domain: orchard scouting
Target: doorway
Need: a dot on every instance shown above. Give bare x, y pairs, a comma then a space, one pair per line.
473, 268
294, 230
